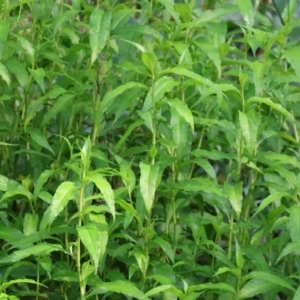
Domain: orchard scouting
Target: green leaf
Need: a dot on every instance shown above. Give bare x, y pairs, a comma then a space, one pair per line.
150, 61
99, 31
111, 95
39, 138
95, 241
4, 74
4, 30
200, 185
211, 286
273, 105
207, 167
63, 18
119, 18
291, 247
5, 285
162, 85
297, 294
166, 246
64, 193
189, 74
19, 71
25, 44
30, 223
213, 154
257, 258
159, 289
294, 223
247, 11
10, 235
274, 279
37, 250
238, 255
270, 199
235, 195
149, 181
126, 288
39, 75
292, 56
60, 104
183, 110
255, 287
181, 134
41, 181
169, 5
106, 190
212, 15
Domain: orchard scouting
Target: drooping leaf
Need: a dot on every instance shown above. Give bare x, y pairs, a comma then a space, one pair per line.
30, 223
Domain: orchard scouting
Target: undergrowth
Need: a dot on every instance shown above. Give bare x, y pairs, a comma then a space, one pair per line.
149, 150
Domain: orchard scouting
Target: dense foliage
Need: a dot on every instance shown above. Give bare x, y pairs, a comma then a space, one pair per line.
149, 150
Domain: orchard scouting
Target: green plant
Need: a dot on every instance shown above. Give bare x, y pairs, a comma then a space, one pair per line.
149, 150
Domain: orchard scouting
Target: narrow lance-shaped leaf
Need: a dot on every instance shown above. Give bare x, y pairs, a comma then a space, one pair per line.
99, 31
4, 74
39, 138
294, 223
149, 180
106, 190
273, 105
234, 193
36, 250
94, 239
63, 194
183, 110
247, 10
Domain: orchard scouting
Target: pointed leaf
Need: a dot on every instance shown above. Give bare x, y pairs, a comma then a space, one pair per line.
19, 71
272, 104
255, 287
4, 74
292, 247
106, 190
95, 240
235, 195
270, 199
247, 11
60, 104
63, 194
41, 249
294, 223
39, 75
183, 110
99, 31
39, 138
126, 288
149, 180
166, 246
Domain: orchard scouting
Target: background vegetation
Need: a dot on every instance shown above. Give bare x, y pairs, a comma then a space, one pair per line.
149, 150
